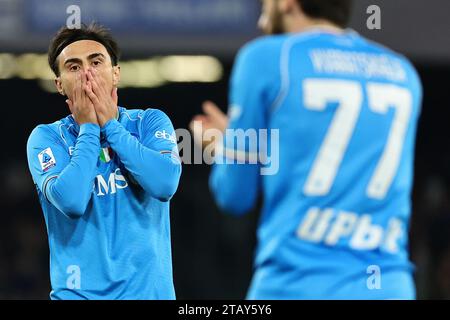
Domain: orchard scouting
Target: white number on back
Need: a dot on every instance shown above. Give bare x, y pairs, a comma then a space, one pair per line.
349, 94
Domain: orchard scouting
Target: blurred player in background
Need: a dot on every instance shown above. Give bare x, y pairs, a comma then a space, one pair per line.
104, 176
334, 223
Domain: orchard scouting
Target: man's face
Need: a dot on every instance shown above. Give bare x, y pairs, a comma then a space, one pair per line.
82, 55
271, 19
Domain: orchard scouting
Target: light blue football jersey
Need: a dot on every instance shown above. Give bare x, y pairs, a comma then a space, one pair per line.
336, 170
105, 197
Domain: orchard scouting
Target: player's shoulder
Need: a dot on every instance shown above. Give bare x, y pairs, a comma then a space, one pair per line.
46, 134
49, 130
271, 47
262, 43
146, 114
278, 42
261, 47
394, 58
131, 114
379, 48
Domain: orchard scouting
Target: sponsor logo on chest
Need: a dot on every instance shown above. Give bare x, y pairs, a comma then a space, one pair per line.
110, 184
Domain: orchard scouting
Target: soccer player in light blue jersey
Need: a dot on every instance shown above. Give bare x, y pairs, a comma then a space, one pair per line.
104, 176
336, 204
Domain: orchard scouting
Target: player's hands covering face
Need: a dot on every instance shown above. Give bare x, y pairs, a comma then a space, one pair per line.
104, 100
79, 103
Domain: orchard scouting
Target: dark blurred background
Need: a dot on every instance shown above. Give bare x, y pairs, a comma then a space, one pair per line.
165, 43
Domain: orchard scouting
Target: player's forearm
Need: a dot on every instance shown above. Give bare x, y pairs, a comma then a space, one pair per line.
71, 190
234, 187
157, 173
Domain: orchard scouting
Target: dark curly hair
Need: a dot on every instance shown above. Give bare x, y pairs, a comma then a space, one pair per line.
66, 36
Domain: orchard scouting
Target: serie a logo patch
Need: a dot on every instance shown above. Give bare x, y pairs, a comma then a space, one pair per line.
46, 159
